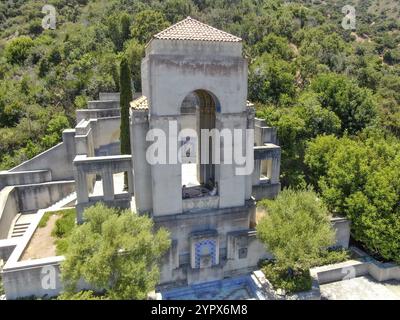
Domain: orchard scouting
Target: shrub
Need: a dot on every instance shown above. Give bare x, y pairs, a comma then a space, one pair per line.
45, 219
18, 50
296, 229
280, 278
65, 224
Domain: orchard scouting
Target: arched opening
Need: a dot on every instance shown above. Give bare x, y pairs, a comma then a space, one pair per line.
198, 112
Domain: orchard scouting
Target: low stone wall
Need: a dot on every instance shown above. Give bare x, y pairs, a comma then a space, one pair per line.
357, 268
271, 294
36, 278
115, 96
342, 228
103, 104
86, 114
269, 191
8, 209
41, 196
57, 160
200, 203
338, 272
23, 177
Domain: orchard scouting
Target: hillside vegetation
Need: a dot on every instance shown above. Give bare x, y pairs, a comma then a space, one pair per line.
334, 94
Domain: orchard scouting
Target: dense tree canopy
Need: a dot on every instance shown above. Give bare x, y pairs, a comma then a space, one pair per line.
360, 179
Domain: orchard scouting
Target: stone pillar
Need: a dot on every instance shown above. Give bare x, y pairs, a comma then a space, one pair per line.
142, 183
250, 125
232, 187
82, 193
68, 137
81, 186
108, 184
131, 188
276, 167
256, 172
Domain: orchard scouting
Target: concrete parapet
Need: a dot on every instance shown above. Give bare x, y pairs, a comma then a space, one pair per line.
103, 104
113, 96
23, 177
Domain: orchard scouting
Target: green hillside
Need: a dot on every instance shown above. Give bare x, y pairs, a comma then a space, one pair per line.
45, 75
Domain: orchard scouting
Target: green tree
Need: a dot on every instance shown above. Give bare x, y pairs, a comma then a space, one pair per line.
18, 50
276, 45
359, 179
296, 229
126, 99
119, 29
271, 80
355, 106
125, 27
176, 10
134, 52
146, 24
117, 253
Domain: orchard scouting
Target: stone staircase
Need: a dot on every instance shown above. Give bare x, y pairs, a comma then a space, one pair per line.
22, 223
23, 220
63, 202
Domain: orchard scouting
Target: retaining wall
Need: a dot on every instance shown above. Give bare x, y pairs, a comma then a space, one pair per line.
23, 177
41, 196
8, 209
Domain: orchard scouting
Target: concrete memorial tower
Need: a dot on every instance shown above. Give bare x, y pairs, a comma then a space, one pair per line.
194, 79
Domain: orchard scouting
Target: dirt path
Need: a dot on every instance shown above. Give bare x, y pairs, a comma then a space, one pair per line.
42, 244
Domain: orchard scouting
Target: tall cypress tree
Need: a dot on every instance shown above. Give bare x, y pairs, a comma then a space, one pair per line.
125, 100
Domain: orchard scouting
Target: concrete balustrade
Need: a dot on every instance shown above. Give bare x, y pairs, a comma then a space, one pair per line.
106, 167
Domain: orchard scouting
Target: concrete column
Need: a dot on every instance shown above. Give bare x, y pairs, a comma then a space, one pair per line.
232, 187
68, 137
139, 126
131, 187
81, 186
166, 178
108, 184
82, 192
276, 169
249, 178
257, 172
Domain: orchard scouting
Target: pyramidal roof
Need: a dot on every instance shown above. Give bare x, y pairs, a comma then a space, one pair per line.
191, 29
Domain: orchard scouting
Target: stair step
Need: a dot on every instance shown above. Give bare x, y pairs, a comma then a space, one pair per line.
22, 224
20, 228
18, 231
16, 235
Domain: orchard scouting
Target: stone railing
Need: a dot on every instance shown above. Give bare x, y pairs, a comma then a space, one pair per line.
201, 203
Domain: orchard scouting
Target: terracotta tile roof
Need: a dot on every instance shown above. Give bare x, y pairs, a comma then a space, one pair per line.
191, 29
140, 104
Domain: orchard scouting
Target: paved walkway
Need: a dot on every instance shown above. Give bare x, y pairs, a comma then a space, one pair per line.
361, 288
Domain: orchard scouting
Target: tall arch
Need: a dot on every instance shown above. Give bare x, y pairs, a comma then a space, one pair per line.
203, 107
